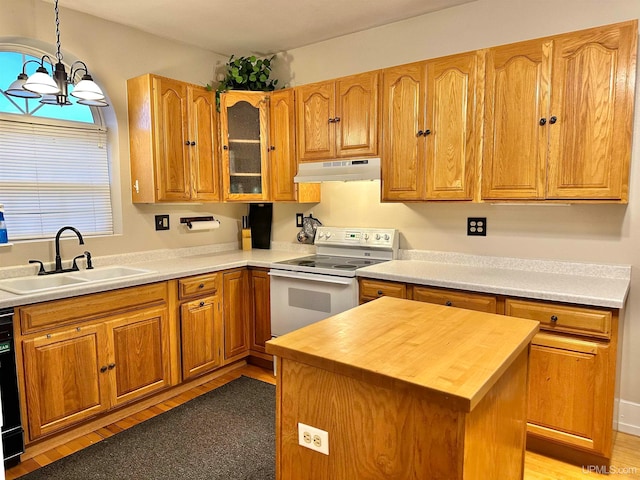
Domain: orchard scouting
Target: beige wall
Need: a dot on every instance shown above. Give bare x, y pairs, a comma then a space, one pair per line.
590, 233
114, 53
585, 233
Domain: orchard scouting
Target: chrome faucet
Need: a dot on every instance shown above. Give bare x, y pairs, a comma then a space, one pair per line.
58, 258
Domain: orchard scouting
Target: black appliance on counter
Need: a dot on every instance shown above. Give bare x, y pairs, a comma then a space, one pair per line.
260, 215
12, 432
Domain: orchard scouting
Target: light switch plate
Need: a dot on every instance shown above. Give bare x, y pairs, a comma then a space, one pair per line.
162, 222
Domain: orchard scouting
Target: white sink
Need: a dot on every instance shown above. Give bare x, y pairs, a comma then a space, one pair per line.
108, 273
23, 285
27, 285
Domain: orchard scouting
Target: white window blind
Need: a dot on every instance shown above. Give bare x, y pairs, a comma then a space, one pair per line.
54, 175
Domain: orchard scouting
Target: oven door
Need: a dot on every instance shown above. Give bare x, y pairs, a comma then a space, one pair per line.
299, 299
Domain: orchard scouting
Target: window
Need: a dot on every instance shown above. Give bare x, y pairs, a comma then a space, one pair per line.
54, 169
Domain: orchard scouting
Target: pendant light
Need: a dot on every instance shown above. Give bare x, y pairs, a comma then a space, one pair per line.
54, 88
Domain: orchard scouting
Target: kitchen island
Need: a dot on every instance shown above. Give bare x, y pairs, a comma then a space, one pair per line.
405, 390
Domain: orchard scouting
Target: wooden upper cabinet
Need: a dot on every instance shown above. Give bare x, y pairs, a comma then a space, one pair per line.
452, 128
244, 130
430, 129
592, 95
282, 152
316, 110
559, 115
356, 115
403, 107
516, 99
172, 140
338, 118
205, 174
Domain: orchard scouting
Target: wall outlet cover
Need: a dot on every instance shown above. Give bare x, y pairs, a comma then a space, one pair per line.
162, 222
477, 226
313, 438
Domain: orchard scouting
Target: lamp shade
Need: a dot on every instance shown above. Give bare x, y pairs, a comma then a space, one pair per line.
87, 89
16, 88
40, 82
93, 103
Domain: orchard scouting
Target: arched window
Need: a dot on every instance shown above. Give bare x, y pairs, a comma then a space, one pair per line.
54, 168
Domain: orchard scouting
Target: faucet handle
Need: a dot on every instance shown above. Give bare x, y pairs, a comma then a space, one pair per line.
74, 267
89, 264
41, 271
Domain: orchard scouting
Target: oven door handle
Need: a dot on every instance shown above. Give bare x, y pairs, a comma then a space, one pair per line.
315, 277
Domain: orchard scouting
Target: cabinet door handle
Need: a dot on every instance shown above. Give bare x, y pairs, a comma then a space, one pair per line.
554, 318
553, 120
225, 147
336, 120
427, 132
420, 133
448, 303
542, 121
112, 366
187, 142
272, 148
103, 369
201, 285
202, 304
380, 292
332, 120
192, 143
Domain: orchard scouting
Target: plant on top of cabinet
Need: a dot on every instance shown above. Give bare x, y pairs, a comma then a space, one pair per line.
247, 73
172, 141
558, 116
338, 118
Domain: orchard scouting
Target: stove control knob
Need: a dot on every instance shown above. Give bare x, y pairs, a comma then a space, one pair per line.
320, 235
377, 236
386, 237
328, 234
366, 237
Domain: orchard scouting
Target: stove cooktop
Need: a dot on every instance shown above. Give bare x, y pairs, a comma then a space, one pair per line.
327, 263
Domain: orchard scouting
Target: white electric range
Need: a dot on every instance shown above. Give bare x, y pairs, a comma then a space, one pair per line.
311, 288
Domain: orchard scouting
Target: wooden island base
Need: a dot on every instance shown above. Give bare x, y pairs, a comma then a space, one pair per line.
387, 413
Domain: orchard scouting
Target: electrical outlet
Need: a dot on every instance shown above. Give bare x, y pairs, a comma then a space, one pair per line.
313, 438
299, 217
162, 222
477, 226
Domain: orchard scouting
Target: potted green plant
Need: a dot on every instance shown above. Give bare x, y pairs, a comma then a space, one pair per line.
246, 73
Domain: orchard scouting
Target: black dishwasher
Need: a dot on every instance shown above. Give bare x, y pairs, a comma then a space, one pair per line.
12, 433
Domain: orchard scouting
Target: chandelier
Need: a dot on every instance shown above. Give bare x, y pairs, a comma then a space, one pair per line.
54, 89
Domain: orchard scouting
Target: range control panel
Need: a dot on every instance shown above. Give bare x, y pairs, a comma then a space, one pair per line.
377, 238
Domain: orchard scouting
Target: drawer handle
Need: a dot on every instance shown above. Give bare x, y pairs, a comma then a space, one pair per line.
379, 292
448, 303
554, 318
201, 285
202, 304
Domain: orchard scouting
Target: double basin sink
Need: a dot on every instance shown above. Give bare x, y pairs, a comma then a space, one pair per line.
36, 284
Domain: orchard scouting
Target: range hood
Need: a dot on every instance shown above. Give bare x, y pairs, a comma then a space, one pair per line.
338, 170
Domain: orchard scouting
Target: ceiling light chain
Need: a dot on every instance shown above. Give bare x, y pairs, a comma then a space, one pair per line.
53, 88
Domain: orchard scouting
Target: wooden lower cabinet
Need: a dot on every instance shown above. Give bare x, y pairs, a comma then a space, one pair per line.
454, 298
236, 313
569, 392
372, 289
201, 331
260, 294
81, 371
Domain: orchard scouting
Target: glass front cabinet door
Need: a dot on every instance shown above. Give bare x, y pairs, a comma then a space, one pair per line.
244, 130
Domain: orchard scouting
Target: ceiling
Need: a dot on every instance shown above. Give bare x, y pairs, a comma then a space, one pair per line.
258, 27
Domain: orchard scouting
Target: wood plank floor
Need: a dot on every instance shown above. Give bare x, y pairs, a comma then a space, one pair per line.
625, 462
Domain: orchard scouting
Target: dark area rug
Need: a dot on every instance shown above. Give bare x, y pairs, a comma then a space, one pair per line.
228, 433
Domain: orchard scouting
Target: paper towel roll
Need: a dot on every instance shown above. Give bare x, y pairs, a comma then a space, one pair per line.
194, 226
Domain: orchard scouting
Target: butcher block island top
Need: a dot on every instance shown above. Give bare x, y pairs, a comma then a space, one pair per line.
436, 391
450, 352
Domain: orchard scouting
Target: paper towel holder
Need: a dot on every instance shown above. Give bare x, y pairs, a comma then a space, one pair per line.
190, 220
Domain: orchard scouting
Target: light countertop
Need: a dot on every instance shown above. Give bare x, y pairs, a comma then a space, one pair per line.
452, 353
584, 284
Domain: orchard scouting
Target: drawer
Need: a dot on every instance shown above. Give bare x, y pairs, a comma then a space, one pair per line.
207, 284
57, 313
378, 288
454, 298
563, 318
